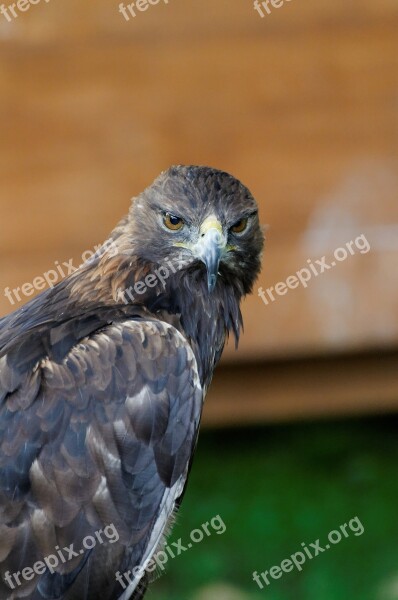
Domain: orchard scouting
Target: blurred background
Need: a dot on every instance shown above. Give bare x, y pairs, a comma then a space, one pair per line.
299, 432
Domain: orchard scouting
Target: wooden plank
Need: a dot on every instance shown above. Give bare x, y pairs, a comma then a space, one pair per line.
180, 19
285, 391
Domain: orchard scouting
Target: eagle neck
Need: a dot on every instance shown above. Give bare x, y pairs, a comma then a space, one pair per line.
204, 318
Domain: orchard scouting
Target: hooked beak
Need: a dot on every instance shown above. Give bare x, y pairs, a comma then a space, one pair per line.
210, 248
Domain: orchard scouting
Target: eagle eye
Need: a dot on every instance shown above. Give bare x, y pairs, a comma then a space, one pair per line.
240, 225
172, 222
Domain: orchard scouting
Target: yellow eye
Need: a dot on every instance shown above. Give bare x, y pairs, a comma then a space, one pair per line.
172, 222
239, 226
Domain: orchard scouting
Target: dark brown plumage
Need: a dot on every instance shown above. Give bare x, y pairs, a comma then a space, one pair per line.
102, 381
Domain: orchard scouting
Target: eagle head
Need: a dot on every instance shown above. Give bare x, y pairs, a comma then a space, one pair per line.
203, 219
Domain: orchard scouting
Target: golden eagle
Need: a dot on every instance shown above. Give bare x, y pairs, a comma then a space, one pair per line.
102, 383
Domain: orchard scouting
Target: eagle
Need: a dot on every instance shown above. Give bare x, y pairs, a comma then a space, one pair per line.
102, 384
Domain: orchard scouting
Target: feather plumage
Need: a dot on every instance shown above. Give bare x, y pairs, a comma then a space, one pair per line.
101, 399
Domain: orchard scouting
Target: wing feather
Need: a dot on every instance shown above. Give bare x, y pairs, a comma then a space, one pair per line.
100, 436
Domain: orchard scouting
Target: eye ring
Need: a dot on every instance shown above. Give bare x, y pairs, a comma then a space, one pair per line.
172, 222
240, 225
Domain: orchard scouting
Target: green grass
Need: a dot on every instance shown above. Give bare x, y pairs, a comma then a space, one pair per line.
275, 487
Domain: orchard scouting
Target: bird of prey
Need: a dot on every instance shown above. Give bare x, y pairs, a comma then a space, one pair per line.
102, 382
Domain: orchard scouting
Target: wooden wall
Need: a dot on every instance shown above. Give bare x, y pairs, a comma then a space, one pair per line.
302, 105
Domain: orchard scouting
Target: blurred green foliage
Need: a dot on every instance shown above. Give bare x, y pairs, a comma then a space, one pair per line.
276, 487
